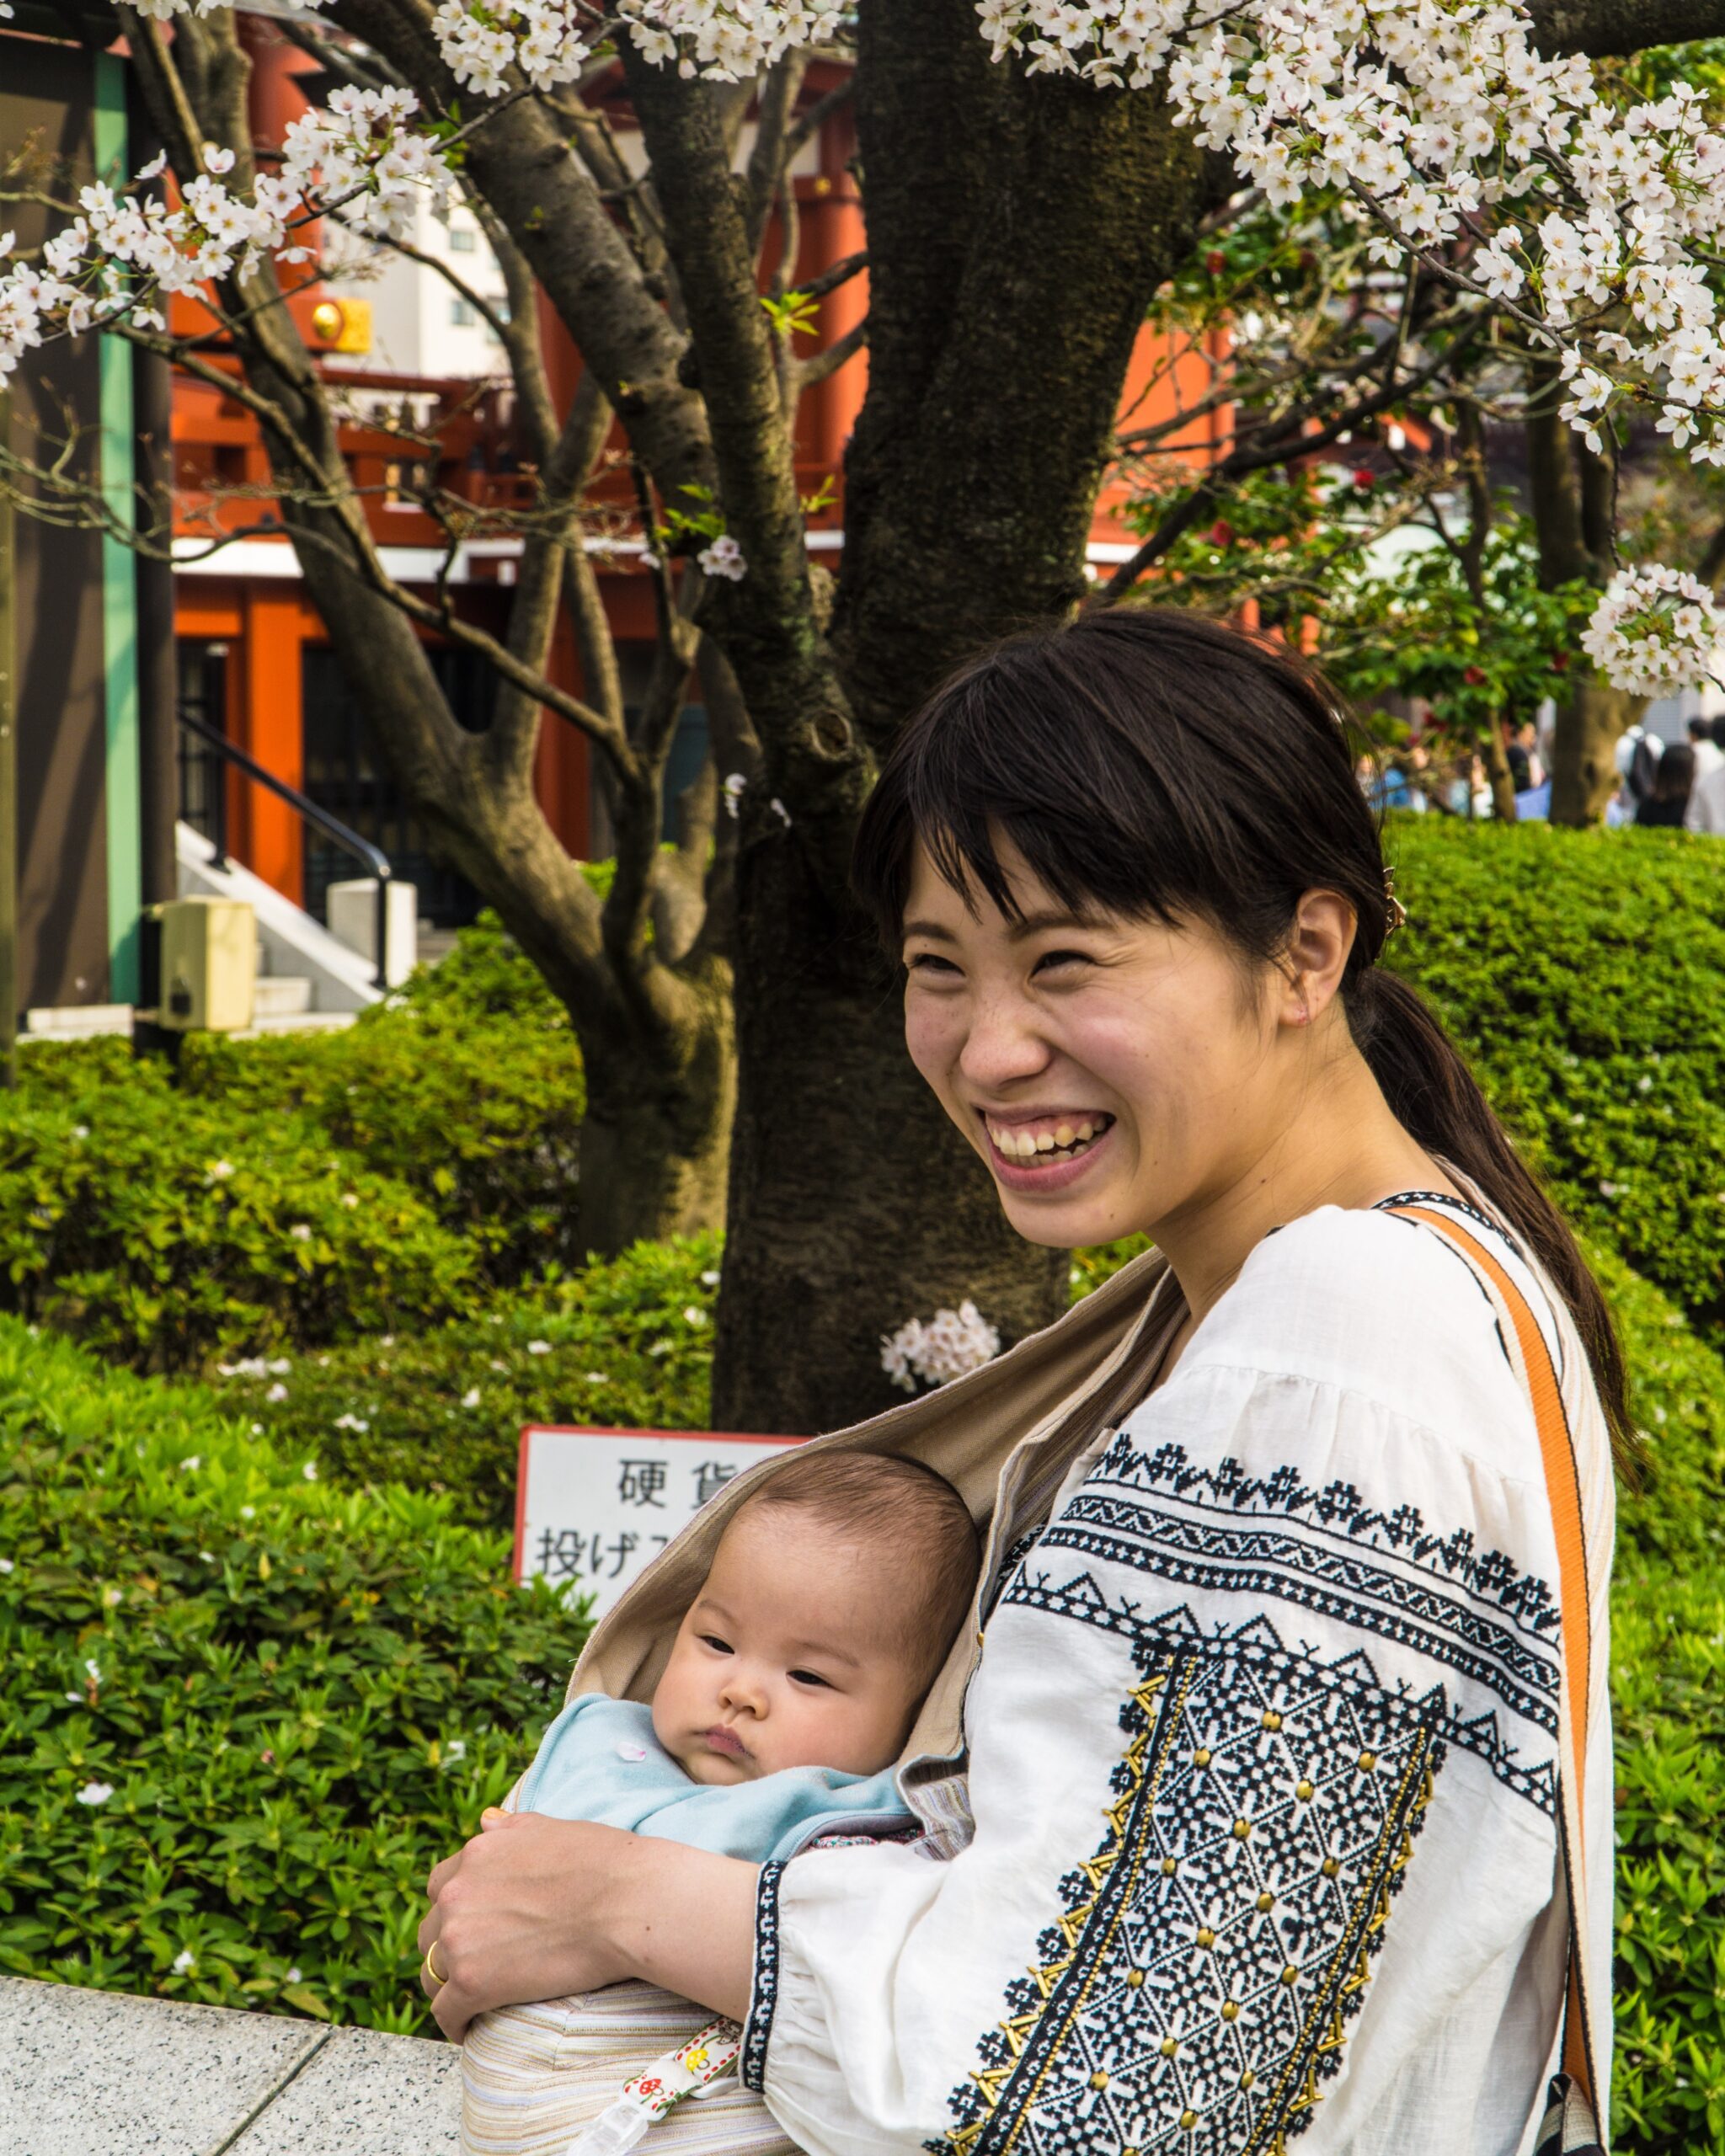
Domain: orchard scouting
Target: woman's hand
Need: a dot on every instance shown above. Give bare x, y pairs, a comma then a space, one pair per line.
515, 1915
536, 1908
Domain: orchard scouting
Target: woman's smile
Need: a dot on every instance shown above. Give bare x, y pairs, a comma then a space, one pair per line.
1043, 1152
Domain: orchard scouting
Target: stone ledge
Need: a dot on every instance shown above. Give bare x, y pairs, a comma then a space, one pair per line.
102, 2074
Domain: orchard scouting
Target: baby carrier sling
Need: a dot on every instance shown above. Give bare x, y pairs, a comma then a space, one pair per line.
1005, 1435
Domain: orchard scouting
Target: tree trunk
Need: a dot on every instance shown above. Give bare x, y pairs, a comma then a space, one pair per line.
854, 1203
655, 1137
1498, 774
1583, 750
1017, 231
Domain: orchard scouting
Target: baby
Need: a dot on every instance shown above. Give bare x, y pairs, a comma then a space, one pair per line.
833, 1598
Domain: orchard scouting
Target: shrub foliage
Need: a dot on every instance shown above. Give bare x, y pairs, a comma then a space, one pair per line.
244, 1712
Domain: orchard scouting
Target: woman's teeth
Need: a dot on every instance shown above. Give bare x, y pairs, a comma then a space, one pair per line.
1047, 1140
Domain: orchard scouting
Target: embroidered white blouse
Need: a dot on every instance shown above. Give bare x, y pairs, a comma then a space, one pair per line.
1260, 1844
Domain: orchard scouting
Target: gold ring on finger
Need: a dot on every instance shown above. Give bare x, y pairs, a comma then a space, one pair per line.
439, 1976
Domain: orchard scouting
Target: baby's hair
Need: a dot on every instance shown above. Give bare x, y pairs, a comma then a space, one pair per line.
901, 1503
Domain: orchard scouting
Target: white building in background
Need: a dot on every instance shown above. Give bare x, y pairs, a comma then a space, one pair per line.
421, 324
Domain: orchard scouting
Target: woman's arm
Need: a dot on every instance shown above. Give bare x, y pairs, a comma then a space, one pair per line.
535, 1908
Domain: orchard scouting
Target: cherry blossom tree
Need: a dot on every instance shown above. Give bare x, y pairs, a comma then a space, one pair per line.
1032, 172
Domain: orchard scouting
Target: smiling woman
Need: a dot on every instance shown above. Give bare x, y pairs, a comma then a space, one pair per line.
1269, 1795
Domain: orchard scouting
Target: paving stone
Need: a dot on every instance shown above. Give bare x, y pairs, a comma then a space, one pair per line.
365, 2094
101, 2073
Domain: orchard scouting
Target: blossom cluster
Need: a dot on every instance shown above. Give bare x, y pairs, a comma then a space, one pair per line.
549, 41
950, 1344
123, 251
1441, 123
1654, 630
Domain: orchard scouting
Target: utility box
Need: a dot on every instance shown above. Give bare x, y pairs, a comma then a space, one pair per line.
208, 965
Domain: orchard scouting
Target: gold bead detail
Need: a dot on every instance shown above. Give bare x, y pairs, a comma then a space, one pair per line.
1230, 2009
1169, 2046
1206, 1937
1200, 1758
1242, 1828
1303, 1791
1291, 1975
1170, 1865
1098, 2081
1272, 1720
1188, 2121
1248, 2080
1265, 1903
1135, 1979
1330, 1867
1366, 1762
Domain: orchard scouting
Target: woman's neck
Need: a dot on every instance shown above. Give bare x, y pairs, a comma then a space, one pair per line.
1341, 1145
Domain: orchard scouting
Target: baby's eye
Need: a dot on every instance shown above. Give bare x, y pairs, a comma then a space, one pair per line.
809, 1676
718, 1646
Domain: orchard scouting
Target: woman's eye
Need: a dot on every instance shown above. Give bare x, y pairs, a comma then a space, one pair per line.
718, 1646
808, 1676
929, 964
1061, 959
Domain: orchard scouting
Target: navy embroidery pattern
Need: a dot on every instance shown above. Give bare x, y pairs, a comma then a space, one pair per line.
1194, 1994
751, 2067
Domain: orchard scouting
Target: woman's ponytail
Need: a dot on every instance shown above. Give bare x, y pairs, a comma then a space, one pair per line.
1433, 1095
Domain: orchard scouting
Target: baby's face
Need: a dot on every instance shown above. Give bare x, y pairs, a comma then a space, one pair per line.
789, 1657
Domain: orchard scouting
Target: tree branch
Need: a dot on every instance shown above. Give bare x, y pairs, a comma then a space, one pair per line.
1609, 28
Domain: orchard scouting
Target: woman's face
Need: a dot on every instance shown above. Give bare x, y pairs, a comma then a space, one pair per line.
1113, 1073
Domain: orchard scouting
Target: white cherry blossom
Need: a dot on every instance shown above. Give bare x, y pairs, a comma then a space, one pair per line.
1655, 630
947, 1346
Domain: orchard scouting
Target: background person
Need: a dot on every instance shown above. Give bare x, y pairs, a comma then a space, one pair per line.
1667, 799
1707, 796
1250, 1769
1709, 757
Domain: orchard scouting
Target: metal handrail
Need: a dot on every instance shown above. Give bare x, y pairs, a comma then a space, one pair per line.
332, 827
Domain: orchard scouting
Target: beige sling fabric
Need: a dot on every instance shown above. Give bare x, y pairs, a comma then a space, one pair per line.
533, 2076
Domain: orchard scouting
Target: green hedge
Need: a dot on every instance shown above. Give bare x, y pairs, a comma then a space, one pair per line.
624, 1344
298, 1699
1581, 971
298, 1191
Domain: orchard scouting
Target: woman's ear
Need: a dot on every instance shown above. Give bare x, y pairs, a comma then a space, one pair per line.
1316, 958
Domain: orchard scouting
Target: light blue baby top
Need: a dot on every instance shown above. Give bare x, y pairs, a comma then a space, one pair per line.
599, 1761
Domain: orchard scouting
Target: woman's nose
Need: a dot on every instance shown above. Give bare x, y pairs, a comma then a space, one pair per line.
1002, 1043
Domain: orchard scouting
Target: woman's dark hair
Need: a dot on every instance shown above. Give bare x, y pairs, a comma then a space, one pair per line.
1675, 773
1160, 764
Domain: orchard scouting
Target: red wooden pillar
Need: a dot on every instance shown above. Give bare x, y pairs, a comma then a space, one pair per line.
268, 837
830, 211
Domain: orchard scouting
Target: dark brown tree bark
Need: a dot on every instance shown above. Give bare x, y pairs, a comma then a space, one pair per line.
1015, 238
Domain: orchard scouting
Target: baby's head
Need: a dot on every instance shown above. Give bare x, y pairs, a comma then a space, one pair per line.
832, 1600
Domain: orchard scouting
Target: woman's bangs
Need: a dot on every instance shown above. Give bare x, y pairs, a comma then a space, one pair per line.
1086, 826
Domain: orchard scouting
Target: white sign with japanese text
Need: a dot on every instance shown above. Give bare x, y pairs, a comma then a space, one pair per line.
594, 1507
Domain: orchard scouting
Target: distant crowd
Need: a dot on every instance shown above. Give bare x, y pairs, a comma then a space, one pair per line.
1679, 784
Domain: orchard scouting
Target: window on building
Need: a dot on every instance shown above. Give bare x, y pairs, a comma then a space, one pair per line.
463, 313
461, 239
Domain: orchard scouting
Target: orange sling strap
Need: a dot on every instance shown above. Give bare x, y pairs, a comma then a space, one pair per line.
1563, 1486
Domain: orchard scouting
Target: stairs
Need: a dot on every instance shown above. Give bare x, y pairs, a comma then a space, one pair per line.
282, 1003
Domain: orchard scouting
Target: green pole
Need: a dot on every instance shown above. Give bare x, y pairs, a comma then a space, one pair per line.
8, 773
119, 606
